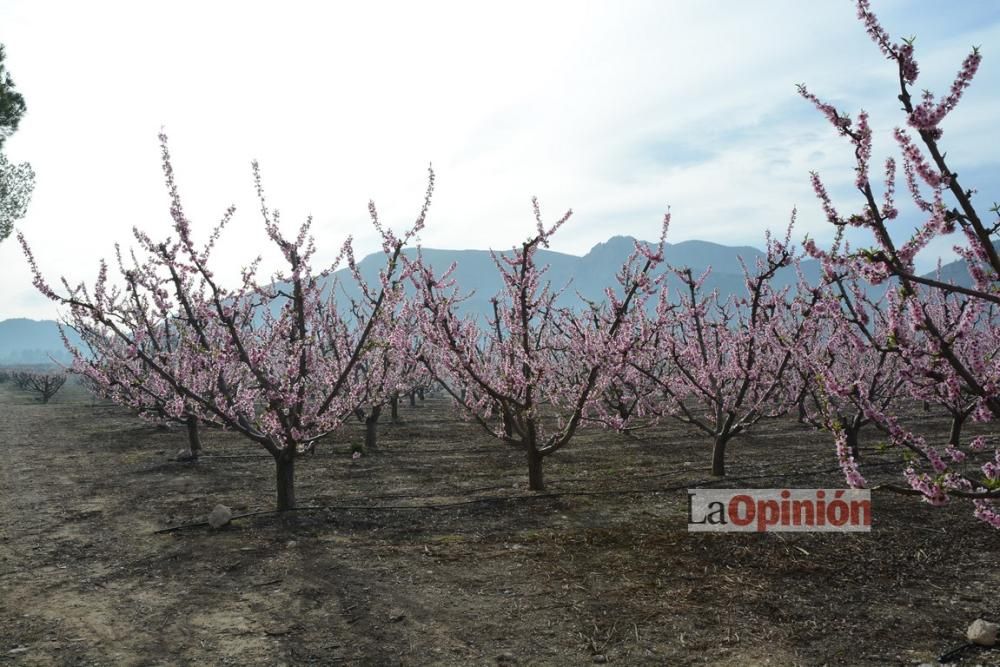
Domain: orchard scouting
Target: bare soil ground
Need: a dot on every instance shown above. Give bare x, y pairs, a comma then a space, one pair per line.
507, 577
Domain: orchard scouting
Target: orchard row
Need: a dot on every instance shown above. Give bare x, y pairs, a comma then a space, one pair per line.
287, 360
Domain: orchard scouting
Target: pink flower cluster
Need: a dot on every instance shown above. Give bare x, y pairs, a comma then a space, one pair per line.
943, 339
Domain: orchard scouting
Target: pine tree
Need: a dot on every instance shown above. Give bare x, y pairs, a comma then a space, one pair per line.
12, 105
17, 180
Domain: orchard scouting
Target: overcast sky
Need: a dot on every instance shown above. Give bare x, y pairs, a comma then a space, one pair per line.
615, 109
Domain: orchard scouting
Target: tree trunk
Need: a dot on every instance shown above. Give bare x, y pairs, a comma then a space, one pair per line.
413, 399
506, 420
719, 456
852, 442
394, 407
957, 420
194, 438
371, 431
535, 480
420, 394
286, 481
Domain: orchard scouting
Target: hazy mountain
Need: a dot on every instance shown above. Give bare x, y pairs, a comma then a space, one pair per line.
585, 276
25, 341
958, 271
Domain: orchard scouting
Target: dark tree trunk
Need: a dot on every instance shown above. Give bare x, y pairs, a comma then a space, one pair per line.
853, 442
719, 456
927, 406
505, 419
413, 399
394, 408
194, 437
420, 394
371, 429
957, 421
535, 480
802, 412
286, 481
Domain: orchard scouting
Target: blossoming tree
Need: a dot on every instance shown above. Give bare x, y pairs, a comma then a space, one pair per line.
840, 370
715, 364
249, 358
111, 369
928, 377
531, 373
934, 473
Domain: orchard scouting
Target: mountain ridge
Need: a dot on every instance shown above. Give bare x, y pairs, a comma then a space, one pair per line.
27, 341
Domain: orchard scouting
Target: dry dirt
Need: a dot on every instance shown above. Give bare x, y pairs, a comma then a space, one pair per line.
498, 576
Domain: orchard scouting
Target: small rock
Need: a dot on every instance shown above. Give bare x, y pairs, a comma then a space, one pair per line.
396, 615
292, 544
185, 455
982, 632
506, 658
19, 649
220, 516
600, 658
